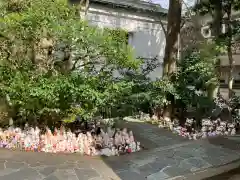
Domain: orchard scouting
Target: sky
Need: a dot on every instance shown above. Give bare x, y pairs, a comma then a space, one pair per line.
164, 3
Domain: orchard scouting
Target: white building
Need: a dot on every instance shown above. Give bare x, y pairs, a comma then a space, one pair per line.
140, 18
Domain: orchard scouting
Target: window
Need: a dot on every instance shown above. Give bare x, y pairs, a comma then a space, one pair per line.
129, 38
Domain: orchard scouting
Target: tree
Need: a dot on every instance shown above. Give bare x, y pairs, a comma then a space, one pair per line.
173, 30
54, 66
221, 12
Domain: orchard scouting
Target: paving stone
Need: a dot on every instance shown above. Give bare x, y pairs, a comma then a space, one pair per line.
15, 165
157, 176
144, 160
174, 161
23, 174
146, 170
159, 164
234, 138
51, 177
214, 160
215, 152
198, 163
116, 166
129, 175
177, 178
66, 174
7, 171
169, 153
97, 178
198, 151
36, 164
184, 153
186, 165
83, 165
48, 170
176, 171
67, 166
85, 174
72, 161
2, 164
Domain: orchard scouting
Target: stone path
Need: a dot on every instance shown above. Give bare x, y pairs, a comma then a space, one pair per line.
230, 175
16, 165
166, 156
174, 161
151, 136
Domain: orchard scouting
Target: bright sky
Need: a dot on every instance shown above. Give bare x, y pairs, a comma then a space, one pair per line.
165, 3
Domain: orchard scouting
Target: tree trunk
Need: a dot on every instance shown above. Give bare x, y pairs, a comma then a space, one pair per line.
217, 18
173, 30
216, 32
229, 51
85, 4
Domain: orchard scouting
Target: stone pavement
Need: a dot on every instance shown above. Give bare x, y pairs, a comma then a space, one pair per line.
166, 156
177, 161
16, 165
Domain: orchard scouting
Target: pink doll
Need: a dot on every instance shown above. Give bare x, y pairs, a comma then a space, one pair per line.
110, 132
62, 145
75, 144
54, 144
80, 143
89, 138
131, 137
87, 150
3, 141
99, 142
117, 140
42, 143
62, 130
27, 143
48, 140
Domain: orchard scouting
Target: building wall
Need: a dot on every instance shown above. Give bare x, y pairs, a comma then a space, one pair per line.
236, 73
224, 92
147, 37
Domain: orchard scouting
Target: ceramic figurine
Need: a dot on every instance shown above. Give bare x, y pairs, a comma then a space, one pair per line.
189, 136
133, 146
131, 137
106, 152
31, 139
138, 148
195, 136
233, 132
105, 137
171, 126
110, 132
154, 117
204, 135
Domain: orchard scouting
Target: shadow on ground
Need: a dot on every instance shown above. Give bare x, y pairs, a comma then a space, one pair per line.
167, 155
230, 175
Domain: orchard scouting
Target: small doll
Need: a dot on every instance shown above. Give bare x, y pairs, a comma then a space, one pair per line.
138, 146
87, 149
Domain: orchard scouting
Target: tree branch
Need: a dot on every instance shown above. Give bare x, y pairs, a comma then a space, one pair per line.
164, 29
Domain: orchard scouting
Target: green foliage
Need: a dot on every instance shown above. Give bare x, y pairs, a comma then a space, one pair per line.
54, 66
197, 70
211, 6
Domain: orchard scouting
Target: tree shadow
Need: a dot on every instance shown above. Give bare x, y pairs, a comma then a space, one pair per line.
229, 175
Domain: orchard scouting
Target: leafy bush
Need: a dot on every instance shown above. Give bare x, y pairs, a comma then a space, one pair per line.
54, 66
